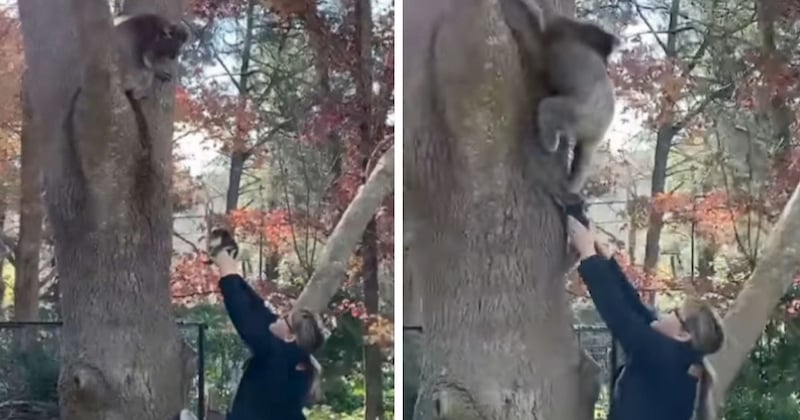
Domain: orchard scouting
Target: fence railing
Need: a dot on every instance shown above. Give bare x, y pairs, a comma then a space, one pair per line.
36, 371
40, 367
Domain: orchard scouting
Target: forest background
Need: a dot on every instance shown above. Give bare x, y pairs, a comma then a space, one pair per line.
703, 156
282, 110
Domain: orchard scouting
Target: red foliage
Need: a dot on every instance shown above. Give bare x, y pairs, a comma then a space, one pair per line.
192, 280
210, 9
277, 226
227, 119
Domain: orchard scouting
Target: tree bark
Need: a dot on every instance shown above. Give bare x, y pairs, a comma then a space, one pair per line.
26, 286
771, 278
490, 247
107, 198
4, 250
666, 132
780, 114
332, 263
412, 328
239, 155
373, 359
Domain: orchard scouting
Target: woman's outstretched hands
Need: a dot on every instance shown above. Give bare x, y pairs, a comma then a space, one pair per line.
581, 238
226, 263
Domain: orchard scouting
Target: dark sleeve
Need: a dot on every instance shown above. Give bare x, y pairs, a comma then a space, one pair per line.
629, 293
248, 314
633, 332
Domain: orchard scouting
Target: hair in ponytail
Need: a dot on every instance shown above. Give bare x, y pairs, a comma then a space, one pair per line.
315, 392
705, 405
707, 337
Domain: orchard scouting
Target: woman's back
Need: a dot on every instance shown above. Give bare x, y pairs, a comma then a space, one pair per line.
654, 392
272, 387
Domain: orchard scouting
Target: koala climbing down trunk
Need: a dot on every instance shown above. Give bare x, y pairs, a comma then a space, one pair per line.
147, 45
580, 111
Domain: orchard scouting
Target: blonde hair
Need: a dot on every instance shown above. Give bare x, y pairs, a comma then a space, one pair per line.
310, 334
707, 336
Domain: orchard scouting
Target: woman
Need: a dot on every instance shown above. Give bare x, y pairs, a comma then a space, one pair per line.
666, 375
280, 377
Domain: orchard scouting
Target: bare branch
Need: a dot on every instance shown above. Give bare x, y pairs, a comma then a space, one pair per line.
332, 263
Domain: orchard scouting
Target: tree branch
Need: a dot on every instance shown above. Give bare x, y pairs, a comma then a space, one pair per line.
650, 27
772, 276
332, 263
717, 94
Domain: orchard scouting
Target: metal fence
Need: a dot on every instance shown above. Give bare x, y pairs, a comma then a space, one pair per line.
598, 341
33, 375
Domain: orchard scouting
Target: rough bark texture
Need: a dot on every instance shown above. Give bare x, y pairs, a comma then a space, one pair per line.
489, 246
774, 273
107, 199
332, 263
26, 286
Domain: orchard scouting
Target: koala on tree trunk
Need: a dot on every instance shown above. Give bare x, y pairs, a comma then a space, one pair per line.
489, 249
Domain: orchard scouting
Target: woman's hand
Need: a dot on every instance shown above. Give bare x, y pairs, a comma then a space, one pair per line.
581, 238
602, 249
227, 265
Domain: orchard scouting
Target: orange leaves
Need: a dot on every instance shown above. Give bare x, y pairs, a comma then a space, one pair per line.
713, 214
192, 280
380, 331
288, 8
227, 119
277, 226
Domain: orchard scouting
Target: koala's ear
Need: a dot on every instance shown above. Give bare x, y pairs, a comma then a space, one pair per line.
598, 38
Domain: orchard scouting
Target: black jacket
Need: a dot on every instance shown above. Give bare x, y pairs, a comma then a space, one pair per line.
271, 386
655, 384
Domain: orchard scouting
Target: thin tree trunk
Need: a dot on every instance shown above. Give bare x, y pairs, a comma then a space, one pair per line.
755, 305
26, 286
373, 375
239, 155
412, 328
780, 114
666, 132
373, 358
331, 266
234, 181
3, 249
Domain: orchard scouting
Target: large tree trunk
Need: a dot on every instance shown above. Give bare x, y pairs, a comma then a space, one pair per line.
26, 286
107, 199
774, 273
489, 245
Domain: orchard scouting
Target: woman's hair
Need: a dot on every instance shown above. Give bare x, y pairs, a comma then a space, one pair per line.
309, 330
707, 336
310, 334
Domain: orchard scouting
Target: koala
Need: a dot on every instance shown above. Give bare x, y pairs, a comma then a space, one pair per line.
221, 240
582, 105
147, 45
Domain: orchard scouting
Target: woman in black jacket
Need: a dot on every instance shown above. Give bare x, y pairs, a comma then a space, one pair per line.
666, 376
279, 379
